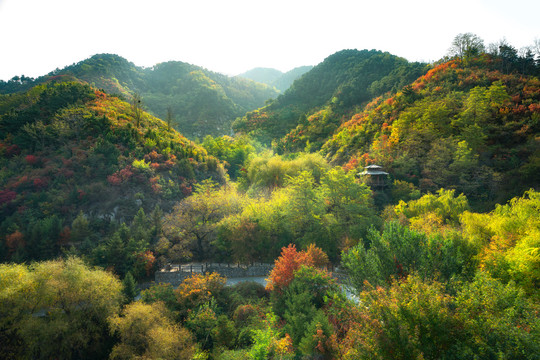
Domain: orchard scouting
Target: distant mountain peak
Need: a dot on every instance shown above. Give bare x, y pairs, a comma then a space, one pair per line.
273, 77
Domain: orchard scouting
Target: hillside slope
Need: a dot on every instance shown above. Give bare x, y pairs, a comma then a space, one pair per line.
473, 126
202, 102
67, 148
342, 81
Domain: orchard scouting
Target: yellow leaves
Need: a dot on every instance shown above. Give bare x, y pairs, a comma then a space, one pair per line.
284, 346
199, 289
147, 331
429, 224
15, 282
510, 236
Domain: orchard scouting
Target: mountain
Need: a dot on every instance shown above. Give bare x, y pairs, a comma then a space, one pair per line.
279, 80
67, 148
262, 75
341, 82
469, 125
202, 102
286, 80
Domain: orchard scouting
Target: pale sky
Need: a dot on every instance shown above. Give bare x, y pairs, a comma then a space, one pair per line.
38, 36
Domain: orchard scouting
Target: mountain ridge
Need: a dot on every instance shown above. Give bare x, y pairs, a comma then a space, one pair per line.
202, 102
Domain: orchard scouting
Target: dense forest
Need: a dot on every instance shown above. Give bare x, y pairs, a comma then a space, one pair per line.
198, 101
441, 261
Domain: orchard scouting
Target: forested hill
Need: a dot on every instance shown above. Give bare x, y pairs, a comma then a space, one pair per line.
342, 81
202, 102
67, 148
275, 78
472, 125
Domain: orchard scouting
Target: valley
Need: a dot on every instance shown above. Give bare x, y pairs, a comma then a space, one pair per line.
110, 172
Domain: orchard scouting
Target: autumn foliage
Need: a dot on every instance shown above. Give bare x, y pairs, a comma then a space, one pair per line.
199, 289
290, 261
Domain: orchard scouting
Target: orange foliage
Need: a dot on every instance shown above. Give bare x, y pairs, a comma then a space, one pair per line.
15, 241
317, 257
290, 261
352, 164
199, 289
147, 260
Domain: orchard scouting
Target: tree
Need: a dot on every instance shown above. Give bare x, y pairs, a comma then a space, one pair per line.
80, 229
197, 290
130, 287
147, 331
170, 119
285, 266
400, 251
304, 298
136, 109
509, 237
59, 309
466, 46
410, 320
193, 221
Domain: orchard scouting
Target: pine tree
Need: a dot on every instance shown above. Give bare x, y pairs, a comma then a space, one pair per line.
130, 287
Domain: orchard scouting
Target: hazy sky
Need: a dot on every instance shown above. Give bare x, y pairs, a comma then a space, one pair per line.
38, 36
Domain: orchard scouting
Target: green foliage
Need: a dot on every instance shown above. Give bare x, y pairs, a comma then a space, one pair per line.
329, 209
130, 287
442, 209
499, 320
235, 151
192, 225
464, 125
316, 340
303, 300
203, 102
275, 78
91, 162
410, 320
344, 79
224, 333
202, 322
269, 171
57, 309
160, 292
398, 251
510, 237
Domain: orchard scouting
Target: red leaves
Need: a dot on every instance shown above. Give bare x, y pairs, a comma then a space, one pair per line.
290, 261
31, 159
7, 196
15, 241
285, 266
148, 259
186, 190
120, 176
352, 164
40, 183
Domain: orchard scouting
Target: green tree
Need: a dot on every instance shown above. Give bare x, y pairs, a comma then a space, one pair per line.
130, 287
410, 320
500, 321
399, 251
80, 229
193, 221
136, 109
170, 119
466, 46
